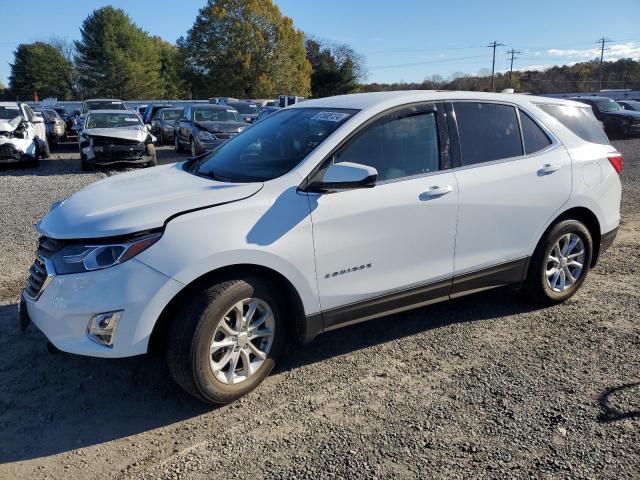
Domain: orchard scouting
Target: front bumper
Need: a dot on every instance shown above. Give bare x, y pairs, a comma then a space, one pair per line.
202, 147
64, 308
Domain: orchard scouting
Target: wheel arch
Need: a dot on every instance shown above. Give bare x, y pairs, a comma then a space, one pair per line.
295, 314
589, 219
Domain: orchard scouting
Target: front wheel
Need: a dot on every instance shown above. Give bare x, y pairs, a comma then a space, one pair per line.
560, 263
150, 150
176, 144
192, 147
226, 339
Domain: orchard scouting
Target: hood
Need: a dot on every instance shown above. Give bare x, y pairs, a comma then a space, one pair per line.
10, 125
224, 127
124, 133
137, 201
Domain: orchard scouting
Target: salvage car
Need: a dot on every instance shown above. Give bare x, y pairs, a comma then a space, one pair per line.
54, 125
618, 122
115, 136
248, 111
163, 127
327, 213
151, 112
23, 136
633, 105
204, 127
96, 104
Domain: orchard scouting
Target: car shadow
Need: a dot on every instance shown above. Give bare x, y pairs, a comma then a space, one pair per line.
68, 402
610, 400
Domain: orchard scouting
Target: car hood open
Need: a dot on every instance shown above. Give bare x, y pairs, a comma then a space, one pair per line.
137, 201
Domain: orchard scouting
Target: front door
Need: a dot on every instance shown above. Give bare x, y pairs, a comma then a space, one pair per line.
384, 248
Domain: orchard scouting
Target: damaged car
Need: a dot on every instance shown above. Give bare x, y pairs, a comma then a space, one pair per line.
115, 136
23, 137
204, 127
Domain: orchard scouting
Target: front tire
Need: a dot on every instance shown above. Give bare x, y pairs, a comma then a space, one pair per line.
192, 148
151, 153
85, 166
560, 263
226, 339
176, 144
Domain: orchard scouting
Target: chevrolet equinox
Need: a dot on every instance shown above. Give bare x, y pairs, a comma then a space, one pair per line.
324, 214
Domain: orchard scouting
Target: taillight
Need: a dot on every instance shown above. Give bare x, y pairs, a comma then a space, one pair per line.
615, 159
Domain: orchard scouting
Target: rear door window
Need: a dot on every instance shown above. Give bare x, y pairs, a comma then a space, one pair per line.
534, 137
580, 120
487, 131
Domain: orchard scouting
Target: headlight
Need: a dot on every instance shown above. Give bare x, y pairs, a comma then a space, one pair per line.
84, 257
202, 135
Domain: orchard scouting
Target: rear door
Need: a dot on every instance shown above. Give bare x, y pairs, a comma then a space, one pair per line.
513, 177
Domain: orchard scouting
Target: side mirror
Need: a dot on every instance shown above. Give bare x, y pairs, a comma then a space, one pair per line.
345, 175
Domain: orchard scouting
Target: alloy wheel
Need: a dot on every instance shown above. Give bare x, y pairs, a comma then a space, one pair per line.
241, 341
565, 262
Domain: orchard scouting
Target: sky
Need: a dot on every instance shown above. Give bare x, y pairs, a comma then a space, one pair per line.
401, 40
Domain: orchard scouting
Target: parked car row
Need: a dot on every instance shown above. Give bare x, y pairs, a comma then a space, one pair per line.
620, 119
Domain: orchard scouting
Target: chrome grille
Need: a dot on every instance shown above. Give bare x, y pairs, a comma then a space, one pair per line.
39, 273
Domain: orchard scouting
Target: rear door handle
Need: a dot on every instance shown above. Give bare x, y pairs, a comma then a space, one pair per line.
436, 191
548, 168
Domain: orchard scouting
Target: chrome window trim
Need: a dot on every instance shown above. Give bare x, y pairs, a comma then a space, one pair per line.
555, 142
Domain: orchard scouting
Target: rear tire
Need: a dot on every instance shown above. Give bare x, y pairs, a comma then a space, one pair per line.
560, 263
207, 321
46, 151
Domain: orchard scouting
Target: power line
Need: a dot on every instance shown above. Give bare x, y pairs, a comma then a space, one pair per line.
493, 64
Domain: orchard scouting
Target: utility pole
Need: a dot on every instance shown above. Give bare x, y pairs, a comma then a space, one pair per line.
512, 52
493, 64
602, 41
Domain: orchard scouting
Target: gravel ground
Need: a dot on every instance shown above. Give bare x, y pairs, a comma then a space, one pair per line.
484, 386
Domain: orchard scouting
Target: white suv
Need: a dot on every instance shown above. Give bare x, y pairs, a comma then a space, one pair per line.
324, 214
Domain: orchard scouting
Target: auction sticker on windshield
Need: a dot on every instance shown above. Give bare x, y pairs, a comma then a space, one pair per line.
330, 116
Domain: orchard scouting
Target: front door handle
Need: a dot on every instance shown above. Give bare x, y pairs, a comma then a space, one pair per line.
548, 168
436, 191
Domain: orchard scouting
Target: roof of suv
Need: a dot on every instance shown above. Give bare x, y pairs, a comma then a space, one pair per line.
361, 101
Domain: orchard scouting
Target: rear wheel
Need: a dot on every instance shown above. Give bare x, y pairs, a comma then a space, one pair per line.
46, 152
560, 264
226, 339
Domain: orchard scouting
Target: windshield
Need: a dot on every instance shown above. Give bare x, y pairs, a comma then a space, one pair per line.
112, 120
9, 113
272, 147
607, 105
215, 115
169, 114
246, 108
104, 105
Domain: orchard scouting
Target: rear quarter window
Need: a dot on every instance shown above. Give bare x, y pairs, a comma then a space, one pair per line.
580, 120
534, 137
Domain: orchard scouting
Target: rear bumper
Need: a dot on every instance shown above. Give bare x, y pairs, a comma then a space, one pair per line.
606, 240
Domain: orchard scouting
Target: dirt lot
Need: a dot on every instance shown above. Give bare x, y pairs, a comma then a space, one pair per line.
485, 386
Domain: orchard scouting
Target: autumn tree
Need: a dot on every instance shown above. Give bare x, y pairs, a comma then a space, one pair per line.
244, 48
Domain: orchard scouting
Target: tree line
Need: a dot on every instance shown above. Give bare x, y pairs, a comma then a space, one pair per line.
237, 48
246, 49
